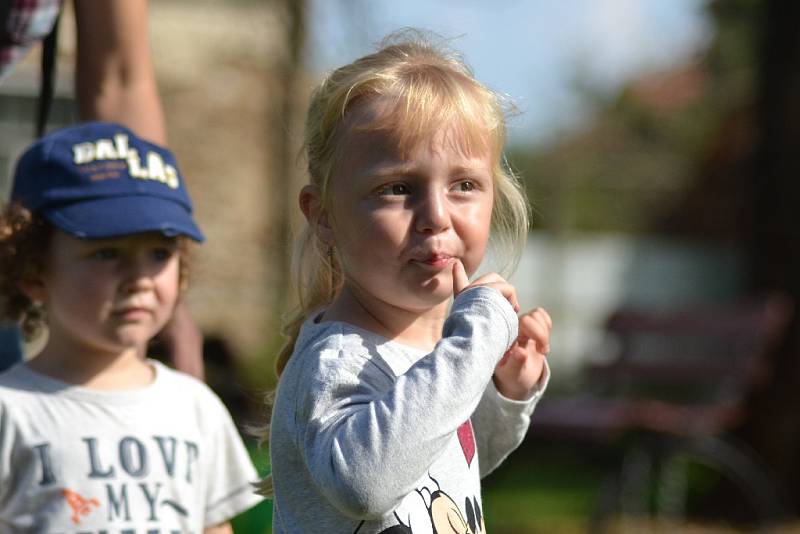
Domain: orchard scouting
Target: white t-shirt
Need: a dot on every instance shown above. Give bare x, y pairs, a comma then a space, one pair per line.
159, 459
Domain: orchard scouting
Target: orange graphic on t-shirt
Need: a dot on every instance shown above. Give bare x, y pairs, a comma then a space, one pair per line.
80, 505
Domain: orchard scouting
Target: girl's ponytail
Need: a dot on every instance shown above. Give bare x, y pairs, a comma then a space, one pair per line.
318, 278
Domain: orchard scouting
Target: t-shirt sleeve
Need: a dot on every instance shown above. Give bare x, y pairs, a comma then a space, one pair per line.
231, 473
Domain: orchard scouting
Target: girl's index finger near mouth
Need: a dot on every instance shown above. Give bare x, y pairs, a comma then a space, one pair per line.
460, 279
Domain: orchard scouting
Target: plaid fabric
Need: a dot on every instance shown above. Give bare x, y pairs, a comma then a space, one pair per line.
26, 23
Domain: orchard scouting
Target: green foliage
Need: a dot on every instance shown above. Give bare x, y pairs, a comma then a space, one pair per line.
646, 145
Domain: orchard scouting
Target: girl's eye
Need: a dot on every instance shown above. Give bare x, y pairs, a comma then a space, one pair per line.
393, 189
105, 254
466, 186
162, 253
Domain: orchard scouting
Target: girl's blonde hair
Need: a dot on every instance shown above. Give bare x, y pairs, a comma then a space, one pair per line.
428, 88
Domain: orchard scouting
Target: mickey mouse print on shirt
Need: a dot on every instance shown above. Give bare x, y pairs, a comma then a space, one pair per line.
430, 510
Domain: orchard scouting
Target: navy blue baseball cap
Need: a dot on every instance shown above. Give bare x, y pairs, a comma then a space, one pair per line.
99, 180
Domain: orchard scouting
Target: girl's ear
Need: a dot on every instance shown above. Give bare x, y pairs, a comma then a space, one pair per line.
34, 288
316, 215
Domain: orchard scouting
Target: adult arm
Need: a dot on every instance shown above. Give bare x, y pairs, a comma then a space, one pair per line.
114, 75
183, 342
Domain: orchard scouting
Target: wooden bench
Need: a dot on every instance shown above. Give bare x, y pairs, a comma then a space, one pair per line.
669, 386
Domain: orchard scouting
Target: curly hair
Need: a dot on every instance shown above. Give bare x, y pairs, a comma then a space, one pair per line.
25, 239
24, 244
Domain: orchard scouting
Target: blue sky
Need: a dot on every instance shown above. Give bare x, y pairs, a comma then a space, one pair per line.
532, 50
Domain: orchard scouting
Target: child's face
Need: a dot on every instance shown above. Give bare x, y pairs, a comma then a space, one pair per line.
401, 220
110, 295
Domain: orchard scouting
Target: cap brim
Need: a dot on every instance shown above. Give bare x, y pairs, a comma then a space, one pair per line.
120, 216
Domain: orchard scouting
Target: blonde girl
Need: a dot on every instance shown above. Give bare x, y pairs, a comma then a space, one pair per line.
395, 398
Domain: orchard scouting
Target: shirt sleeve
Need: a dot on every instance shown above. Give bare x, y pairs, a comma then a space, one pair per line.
231, 474
501, 423
367, 436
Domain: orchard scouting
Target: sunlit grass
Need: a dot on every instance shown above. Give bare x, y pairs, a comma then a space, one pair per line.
257, 520
540, 491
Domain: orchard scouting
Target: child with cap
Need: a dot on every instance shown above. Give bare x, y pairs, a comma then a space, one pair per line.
94, 437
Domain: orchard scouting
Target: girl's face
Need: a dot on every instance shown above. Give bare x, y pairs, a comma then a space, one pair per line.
399, 221
109, 295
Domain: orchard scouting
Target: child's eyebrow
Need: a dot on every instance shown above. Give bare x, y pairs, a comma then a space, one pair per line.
408, 168
468, 169
382, 170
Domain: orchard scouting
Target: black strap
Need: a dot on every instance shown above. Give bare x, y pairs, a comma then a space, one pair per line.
46, 89
5, 37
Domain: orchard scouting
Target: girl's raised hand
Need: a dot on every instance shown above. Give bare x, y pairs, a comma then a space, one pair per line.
521, 367
494, 280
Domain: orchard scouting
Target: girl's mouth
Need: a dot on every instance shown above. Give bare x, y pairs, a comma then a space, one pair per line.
132, 313
436, 261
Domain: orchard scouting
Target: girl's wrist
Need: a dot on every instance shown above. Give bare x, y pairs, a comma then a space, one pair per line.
514, 392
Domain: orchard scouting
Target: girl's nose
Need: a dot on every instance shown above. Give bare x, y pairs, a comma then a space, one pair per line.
137, 275
432, 213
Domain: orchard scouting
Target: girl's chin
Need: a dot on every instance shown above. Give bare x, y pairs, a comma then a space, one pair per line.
132, 338
433, 299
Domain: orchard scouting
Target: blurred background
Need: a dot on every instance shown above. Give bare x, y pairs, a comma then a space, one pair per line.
658, 141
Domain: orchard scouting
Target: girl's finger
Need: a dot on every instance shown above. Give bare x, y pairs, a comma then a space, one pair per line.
492, 280
505, 289
509, 292
512, 297
517, 352
460, 279
545, 316
534, 328
489, 278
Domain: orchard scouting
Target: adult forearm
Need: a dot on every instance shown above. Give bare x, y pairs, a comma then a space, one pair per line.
115, 78
135, 105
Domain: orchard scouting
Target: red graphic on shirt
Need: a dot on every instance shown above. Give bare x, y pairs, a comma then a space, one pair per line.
80, 505
467, 440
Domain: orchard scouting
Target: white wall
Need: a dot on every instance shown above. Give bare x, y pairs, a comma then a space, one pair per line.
582, 279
